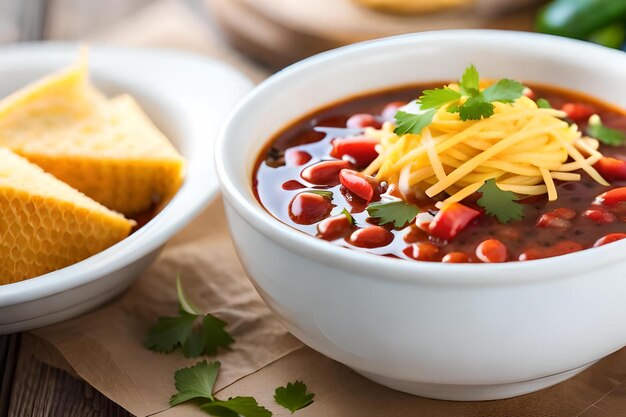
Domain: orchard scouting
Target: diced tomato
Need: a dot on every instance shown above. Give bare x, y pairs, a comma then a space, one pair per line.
610, 238
371, 237
334, 227
529, 93
455, 258
357, 184
360, 148
492, 251
612, 169
611, 198
599, 216
325, 172
296, 157
578, 111
422, 251
450, 220
389, 112
309, 208
363, 120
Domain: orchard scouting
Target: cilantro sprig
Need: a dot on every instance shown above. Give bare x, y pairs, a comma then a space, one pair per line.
293, 396
477, 105
195, 337
198, 383
397, 212
500, 204
612, 137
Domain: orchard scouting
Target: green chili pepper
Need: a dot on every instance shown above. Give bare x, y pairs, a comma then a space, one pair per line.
580, 18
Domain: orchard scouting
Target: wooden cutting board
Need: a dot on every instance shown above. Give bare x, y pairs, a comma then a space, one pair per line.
280, 32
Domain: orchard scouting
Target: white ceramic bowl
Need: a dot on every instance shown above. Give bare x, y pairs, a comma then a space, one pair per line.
463, 332
188, 97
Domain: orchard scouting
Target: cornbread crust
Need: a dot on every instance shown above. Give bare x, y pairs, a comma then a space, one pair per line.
45, 224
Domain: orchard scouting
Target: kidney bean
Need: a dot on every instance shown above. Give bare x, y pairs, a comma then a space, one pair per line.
565, 247
389, 112
600, 216
371, 237
334, 227
422, 251
455, 258
325, 172
529, 93
357, 184
309, 208
558, 218
561, 248
292, 185
612, 169
578, 111
361, 149
363, 120
296, 157
612, 197
610, 238
492, 251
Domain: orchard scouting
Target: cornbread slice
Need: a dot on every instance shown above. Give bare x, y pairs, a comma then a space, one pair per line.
47, 225
107, 149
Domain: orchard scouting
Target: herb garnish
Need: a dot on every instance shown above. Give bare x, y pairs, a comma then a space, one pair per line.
500, 204
294, 396
542, 103
198, 382
478, 105
397, 212
348, 216
324, 193
180, 331
606, 135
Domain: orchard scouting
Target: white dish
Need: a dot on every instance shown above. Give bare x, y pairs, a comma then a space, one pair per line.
188, 97
464, 331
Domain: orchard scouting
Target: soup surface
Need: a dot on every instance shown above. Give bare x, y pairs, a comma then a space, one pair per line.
310, 177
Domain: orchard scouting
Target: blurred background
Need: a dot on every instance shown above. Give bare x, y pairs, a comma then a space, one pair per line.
273, 33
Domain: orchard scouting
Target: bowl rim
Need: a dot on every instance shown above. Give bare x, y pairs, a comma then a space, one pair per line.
376, 266
172, 217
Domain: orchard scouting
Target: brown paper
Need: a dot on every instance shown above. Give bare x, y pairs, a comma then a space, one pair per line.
105, 347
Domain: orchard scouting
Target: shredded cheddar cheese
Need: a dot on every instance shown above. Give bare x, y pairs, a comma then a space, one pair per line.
523, 147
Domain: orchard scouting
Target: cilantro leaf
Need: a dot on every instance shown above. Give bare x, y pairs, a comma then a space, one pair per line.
185, 305
180, 331
504, 91
195, 382
470, 81
475, 108
397, 212
500, 204
433, 99
348, 216
235, 407
606, 135
413, 123
324, 193
542, 103
453, 108
169, 332
215, 335
294, 396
